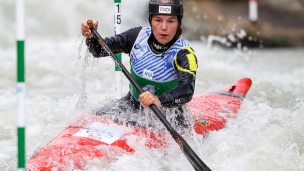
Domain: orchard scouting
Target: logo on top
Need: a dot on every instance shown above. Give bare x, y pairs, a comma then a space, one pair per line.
147, 74
138, 46
164, 9
165, 1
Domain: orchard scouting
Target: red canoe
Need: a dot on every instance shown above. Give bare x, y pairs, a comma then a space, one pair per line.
93, 137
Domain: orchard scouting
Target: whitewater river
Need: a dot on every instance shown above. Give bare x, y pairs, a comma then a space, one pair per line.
61, 84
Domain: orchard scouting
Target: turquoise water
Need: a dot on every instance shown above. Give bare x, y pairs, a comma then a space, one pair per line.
61, 84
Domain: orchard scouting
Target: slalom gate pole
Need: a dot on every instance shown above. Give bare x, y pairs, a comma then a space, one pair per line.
253, 11
20, 27
117, 30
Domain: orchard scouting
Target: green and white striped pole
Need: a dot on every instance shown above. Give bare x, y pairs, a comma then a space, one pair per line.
20, 27
117, 30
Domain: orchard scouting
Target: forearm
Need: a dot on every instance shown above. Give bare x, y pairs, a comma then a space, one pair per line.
181, 95
121, 43
98, 51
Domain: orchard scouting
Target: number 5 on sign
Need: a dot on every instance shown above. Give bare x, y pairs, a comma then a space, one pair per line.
117, 17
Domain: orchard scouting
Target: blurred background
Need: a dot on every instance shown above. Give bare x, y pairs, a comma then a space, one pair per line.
279, 23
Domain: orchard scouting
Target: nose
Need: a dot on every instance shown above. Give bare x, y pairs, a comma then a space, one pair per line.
164, 25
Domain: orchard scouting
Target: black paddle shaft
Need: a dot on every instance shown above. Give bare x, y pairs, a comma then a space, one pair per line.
196, 162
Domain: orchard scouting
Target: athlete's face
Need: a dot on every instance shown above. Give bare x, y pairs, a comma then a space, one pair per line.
164, 27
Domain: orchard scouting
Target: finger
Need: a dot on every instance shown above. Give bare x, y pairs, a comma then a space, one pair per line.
95, 24
143, 99
85, 31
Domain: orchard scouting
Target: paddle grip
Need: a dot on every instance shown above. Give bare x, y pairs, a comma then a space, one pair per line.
90, 24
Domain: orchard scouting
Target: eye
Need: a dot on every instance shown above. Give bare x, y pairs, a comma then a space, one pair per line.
171, 21
157, 20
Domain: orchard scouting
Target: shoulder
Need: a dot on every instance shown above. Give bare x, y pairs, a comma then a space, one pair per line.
131, 35
186, 58
134, 30
186, 51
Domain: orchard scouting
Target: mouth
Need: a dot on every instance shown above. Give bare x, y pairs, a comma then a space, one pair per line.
163, 35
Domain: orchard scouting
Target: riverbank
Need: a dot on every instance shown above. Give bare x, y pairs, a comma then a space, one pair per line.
276, 26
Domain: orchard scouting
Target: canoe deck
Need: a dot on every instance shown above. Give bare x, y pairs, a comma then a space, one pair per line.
93, 137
